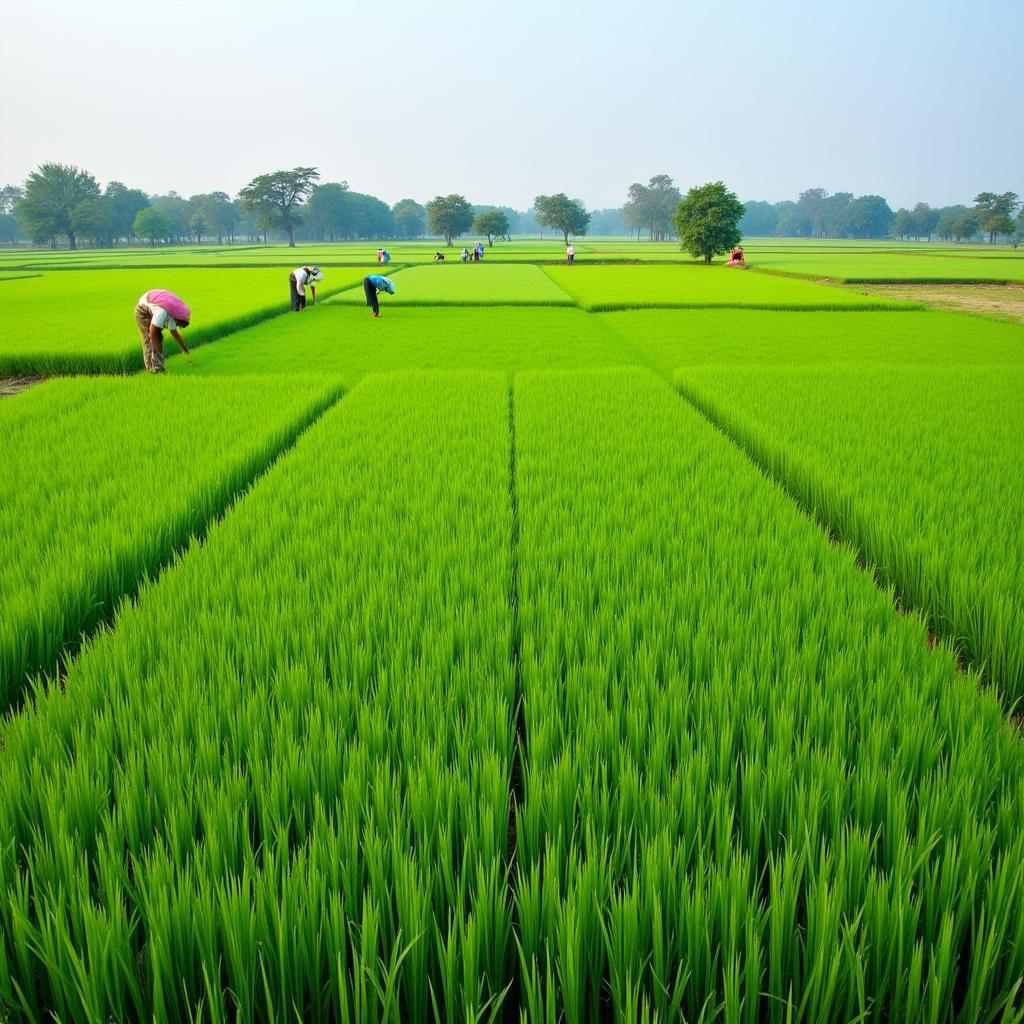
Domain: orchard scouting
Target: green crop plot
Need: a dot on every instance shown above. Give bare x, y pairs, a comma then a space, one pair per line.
104, 479
700, 287
896, 267
469, 284
83, 321
348, 343
669, 340
749, 785
917, 466
286, 769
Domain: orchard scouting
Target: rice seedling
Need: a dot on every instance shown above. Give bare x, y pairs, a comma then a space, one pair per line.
106, 479
752, 791
333, 340
698, 287
278, 788
88, 326
455, 284
919, 467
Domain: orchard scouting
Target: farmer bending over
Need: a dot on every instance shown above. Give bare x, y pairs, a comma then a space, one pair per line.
156, 310
297, 281
373, 284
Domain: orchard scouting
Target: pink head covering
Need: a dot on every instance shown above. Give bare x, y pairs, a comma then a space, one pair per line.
169, 301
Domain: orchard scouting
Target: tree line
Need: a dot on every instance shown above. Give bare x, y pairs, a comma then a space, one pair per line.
61, 203
58, 202
816, 214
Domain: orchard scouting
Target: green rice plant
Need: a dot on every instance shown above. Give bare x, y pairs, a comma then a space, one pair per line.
342, 341
106, 479
752, 791
81, 321
278, 788
453, 283
918, 467
700, 287
670, 340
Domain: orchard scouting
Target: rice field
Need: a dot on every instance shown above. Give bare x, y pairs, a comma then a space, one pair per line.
529, 653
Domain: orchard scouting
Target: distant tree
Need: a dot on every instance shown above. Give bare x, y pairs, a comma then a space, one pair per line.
217, 214
707, 220
793, 223
152, 225
965, 227
93, 220
370, 217
995, 213
449, 216
51, 194
608, 222
759, 219
866, 217
125, 203
177, 212
652, 206
923, 221
491, 223
9, 196
562, 214
813, 204
10, 229
276, 197
410, 218
327, 211
902, 223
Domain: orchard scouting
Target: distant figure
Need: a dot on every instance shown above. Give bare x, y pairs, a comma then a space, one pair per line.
736, 258
154, 311
373, 284
439, 257
380, 257
464, 255
570, 254
386, 256
478, 252
297, 281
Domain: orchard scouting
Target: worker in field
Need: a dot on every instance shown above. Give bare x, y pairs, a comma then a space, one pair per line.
374, 284
297, 281
158, 309
570, 254
736, 258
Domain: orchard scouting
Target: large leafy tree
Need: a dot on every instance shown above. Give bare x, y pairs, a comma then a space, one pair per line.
449, 216
707, 220
9, 196
995, 213
276, 197
178, 213
491, 223
410, 218
562, 214
51, 194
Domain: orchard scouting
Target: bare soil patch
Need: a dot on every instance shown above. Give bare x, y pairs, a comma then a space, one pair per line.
13, 385
996, 301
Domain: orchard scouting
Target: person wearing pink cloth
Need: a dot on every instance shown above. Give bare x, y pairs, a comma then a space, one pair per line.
157, 309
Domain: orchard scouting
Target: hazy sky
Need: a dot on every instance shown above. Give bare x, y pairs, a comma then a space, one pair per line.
501, 102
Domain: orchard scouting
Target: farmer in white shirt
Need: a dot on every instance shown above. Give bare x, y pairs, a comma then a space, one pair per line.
156, 310
297, 281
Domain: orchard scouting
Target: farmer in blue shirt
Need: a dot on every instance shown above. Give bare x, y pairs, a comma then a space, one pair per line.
373, 284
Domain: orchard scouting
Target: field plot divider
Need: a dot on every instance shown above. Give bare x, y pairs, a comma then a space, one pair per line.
766, 461
512, 1009
70, 651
